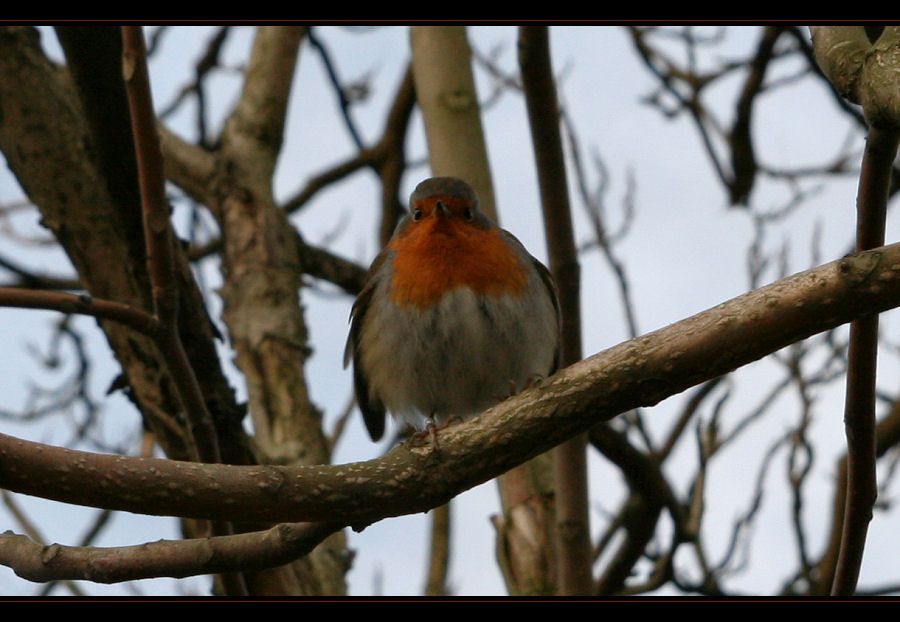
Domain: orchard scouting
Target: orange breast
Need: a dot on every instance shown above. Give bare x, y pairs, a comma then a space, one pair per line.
434, 257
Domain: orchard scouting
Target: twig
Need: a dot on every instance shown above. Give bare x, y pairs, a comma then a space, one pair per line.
82, 304
336, 83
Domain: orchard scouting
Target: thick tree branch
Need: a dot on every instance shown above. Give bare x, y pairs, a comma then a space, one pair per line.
412, 478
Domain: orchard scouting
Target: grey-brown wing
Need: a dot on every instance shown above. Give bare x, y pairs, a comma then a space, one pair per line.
372, 409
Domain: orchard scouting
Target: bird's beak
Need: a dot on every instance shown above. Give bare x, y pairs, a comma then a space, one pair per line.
441, 210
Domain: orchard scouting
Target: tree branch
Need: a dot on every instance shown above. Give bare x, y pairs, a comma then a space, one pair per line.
573, 561
81, 304
411, 478
259, 550
158, 238
859, 414
864, 73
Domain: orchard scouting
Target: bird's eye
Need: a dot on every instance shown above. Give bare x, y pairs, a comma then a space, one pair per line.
469, 213
417, 214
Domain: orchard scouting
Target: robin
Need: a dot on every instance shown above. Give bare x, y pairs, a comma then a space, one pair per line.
455, 315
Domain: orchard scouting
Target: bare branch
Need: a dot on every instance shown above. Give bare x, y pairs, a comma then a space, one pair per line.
570, 462
412, 478
276, 546
859, 414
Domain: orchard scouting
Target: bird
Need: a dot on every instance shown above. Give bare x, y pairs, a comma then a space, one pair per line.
454, 316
